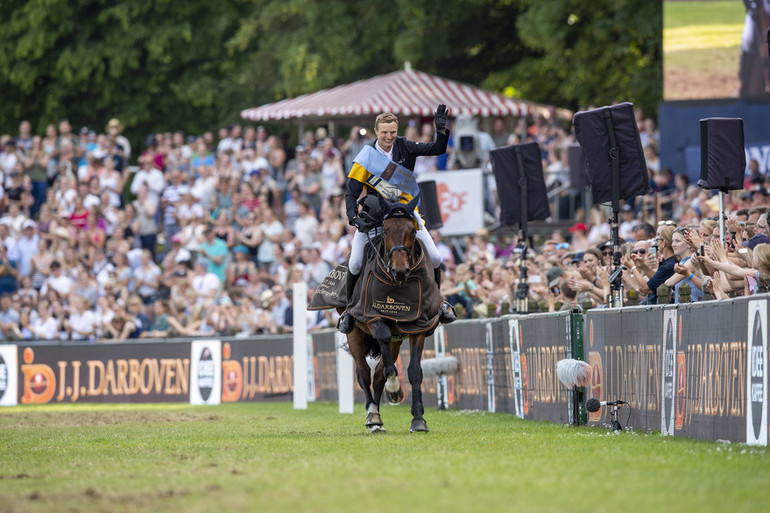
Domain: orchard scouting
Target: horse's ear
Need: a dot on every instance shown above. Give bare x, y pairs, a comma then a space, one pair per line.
413, 204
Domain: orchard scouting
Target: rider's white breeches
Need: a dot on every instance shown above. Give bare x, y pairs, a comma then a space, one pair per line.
359, 242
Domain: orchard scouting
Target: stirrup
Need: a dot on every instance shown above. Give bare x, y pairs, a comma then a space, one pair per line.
448, 313
346, 323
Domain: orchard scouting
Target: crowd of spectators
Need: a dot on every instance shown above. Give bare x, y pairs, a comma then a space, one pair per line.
206, 234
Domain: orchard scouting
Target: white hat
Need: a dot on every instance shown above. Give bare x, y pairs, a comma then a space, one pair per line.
183, 256
29, 223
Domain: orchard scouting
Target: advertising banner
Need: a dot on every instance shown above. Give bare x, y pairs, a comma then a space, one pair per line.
713, 370
544, 339
257, 370
8, 375
325, 365
625, 352
104, 373
466, 341
461, 200
756, 374
205, 372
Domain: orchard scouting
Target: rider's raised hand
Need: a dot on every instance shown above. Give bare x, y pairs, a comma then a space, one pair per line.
441, 118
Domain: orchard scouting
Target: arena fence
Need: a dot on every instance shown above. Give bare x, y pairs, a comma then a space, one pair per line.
695, 370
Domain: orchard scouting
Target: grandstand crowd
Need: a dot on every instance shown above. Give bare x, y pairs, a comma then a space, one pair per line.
206, 234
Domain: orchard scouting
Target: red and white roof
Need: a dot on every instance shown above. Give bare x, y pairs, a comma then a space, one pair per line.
406, 92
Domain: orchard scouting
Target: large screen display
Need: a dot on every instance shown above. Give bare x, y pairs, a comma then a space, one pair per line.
715, 49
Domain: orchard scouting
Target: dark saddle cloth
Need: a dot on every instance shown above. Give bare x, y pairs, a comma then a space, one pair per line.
412, 306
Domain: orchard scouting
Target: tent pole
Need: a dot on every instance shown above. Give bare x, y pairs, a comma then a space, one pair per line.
301, 132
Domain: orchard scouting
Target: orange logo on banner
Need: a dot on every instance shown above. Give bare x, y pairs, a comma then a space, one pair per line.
232, 377
681, 389
595, 359
450, 202
39, 380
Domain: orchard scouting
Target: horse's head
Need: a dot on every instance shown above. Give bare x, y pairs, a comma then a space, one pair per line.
399, 233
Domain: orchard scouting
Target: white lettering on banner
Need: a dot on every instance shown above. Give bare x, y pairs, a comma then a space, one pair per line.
760, 153
460, 198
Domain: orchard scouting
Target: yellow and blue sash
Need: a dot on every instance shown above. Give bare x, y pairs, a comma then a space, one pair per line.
383, 175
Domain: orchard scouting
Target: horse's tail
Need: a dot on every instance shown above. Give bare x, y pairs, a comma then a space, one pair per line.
371, 347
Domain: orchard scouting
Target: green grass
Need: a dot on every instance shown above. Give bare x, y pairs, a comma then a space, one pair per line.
268, 457
679, 14
701, 48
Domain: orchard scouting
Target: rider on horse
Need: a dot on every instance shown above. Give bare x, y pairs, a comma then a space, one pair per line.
382, 168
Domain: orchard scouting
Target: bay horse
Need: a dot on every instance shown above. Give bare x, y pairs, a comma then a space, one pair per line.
396, 253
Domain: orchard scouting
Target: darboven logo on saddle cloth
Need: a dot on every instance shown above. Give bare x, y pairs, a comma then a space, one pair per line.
390, 305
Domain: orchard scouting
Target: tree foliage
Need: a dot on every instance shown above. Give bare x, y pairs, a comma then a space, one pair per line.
590, 53
161, 64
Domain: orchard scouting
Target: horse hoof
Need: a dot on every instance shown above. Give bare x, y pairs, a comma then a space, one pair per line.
395, 397
418, 426
373, 419
376, 429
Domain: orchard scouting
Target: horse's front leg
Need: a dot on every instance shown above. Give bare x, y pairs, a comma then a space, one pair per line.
416, 344
393, 392
363, 376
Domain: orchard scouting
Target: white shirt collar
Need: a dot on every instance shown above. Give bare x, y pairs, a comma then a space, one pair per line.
388, 154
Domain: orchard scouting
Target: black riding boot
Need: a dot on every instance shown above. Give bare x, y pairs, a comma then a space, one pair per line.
447, 311
347, 322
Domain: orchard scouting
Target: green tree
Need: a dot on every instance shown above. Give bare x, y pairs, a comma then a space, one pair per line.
589, 53
156, 65
161, 64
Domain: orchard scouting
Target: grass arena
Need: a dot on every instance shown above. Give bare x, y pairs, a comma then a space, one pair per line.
88, 433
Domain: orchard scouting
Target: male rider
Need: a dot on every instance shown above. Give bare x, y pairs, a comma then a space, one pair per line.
404, 153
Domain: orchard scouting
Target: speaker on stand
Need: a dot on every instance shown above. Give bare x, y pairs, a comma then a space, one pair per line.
615, 167
521, 190
722, 159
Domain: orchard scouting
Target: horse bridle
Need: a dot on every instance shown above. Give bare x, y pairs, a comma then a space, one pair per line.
388, 266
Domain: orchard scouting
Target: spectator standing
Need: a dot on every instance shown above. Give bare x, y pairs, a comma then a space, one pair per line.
114, 133
667, 259
81, 323
147, 278
9, 318
306, 226
685, 272
215, 251
146, 224
272, 230
27, 247
150, 176
205, 284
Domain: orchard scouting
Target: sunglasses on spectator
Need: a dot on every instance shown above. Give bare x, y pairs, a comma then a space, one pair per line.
666, 223
562, 245
607, 253
641, 251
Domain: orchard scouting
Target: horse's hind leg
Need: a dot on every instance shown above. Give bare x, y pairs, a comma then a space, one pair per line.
415, 379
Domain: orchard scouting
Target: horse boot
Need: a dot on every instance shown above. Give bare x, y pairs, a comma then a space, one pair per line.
447, 311
347, 322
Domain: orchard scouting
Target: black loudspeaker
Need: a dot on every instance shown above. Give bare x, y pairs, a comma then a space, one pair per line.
508, 165
722, 153
577, 167
429, 206
593, 132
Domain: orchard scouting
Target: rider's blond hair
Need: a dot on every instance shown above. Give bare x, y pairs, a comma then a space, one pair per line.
385, 117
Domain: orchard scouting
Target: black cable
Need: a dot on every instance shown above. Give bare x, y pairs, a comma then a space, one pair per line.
629, 414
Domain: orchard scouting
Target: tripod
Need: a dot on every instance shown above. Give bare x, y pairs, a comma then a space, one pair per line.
615, 424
